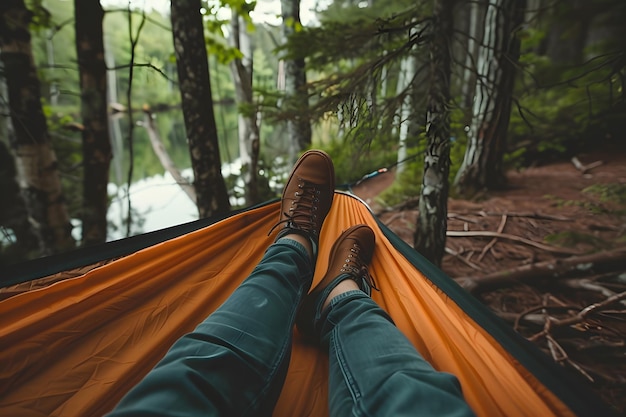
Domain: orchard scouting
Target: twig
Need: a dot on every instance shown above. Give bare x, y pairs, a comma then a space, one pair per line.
557, 349
545, 309
590, 285
589, 309
532, 215
460, 217
486, 233
494, 240
462, 259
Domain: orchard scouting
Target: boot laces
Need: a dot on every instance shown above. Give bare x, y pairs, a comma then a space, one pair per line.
358, 269
302, 213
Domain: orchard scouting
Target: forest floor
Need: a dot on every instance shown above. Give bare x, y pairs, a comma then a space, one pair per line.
546, 216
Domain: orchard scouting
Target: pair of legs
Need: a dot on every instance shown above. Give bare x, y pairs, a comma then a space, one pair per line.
235, 362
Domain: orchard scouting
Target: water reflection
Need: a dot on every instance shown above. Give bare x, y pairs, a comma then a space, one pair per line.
157, 202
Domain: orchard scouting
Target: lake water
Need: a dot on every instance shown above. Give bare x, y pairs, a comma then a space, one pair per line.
157, 202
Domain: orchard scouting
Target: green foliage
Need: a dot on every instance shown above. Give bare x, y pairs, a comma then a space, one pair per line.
605, 193
41, 16
217, 26
408, 183
608, 193
353, 158
563, 109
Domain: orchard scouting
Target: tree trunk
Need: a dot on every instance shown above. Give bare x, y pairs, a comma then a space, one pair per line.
197, 103
430, 235
88, 16
408, 71
475, 28
35, 160
410, 84
249, 133
482, 166
296, 96
13, 213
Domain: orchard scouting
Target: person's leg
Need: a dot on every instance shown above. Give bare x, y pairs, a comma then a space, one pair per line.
374, 369
234, 363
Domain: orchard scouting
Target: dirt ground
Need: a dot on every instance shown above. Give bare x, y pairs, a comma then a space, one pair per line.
546, 214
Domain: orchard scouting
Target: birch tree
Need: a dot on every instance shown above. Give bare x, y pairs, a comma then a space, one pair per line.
475, 28
197, 103
430, 234
294, 84
498, 53
35, 159
248, 126
88, 16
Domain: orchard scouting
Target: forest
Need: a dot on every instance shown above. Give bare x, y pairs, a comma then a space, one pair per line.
453, 100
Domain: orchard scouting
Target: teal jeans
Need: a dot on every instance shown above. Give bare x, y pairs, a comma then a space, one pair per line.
235, 362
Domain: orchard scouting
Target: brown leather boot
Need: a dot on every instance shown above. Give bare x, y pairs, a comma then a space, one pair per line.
349, 259
307, 197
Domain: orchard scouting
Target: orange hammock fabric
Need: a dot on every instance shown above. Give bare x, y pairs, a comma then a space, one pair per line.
75, 347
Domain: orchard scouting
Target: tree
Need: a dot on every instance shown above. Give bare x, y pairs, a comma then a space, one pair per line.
497, 58
35, 159
293, 81
12, 211
248, 126
430, 234
197, 103
96, 143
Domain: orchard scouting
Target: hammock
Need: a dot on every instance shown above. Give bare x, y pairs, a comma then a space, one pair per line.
74, 346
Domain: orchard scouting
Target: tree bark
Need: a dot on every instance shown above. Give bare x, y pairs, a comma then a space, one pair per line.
197, 103
88, 16
408, 69
430, 235
498, 54
296, 95
35, 159
249, 132
13, 213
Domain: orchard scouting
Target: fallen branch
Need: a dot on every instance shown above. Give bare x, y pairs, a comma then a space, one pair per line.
557, 268
585, 168
486, 233
530, 215
582, 314
462, 259
494, 240
558, 352
590, 285
560, 355
166, 161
